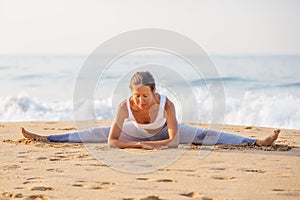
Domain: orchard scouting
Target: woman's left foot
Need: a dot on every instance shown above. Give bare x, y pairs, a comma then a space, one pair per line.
268, 141
32, 136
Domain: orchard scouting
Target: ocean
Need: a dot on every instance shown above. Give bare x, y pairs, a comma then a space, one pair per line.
262, 90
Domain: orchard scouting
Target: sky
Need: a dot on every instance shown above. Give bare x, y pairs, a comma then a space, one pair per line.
218, 26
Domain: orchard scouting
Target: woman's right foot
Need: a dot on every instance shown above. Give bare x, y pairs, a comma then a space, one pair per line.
32, 136
268, 141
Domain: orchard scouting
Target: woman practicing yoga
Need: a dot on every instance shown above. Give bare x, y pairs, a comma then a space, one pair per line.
147, 120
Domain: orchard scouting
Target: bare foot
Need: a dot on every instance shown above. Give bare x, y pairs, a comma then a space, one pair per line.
29, 135
268, 141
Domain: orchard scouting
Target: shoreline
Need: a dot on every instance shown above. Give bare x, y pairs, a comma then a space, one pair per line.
69, 171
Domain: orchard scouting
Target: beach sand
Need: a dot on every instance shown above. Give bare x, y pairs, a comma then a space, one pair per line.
41, 170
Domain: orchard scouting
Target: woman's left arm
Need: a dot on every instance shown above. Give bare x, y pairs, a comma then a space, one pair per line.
173, 140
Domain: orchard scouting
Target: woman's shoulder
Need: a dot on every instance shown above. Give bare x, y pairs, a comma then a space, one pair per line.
123, 105
169, 104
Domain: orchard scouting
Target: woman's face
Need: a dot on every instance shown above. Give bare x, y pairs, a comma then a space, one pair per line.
142, 96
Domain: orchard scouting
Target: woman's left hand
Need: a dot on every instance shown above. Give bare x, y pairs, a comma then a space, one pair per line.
148, 146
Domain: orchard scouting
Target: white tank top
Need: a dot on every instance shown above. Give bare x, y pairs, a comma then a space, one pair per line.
158, 123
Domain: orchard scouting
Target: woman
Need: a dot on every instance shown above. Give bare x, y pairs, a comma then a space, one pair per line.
153, 124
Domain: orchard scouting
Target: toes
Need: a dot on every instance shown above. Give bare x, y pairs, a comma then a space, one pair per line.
277, 131
23, 130
24, 133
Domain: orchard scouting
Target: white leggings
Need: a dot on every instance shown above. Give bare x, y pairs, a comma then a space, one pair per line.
188, 134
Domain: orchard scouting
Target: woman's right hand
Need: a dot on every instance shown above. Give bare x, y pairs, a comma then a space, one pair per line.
145, 146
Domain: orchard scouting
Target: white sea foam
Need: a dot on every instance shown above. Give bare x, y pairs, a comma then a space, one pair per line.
263, 109
25, 108
252, 108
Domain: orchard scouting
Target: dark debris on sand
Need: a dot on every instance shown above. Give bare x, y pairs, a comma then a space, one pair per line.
245, 146
39, 143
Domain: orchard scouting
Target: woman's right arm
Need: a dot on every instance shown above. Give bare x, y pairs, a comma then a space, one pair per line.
116, 130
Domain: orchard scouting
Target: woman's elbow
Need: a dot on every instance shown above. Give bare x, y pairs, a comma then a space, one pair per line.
173, 143
112, 143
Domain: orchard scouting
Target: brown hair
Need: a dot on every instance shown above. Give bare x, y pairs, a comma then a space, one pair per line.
142, 78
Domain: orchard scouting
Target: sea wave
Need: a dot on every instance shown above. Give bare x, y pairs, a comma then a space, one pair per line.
26, 108
262, 109
251, 108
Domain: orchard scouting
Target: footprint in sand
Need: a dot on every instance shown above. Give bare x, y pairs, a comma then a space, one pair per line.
78, 185
41, 158
59, 152
278, 190
143, 179
94, 186
18, 195
144, 198
6, 194
67, 129
191, 194
55, 170
196, 195
19, 188
37, 196
208, 198
151, 198
166, 180
80, 181
178, 170
30, 180
54, 159
33, 178
97, 187
22, 156
42, 188
217, 168
290, 193
255, 170
58, 158
106, 183
158, 180
98, 165
81, 155
10, 167
11, 195
223, 178
252, 170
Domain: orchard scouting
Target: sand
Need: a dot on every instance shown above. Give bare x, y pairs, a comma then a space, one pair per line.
39, 170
